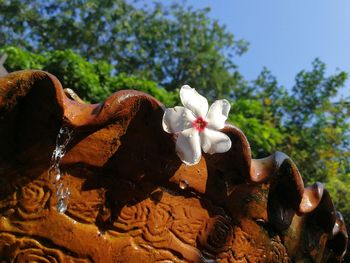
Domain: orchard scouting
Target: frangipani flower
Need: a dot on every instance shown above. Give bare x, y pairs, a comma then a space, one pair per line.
197, 127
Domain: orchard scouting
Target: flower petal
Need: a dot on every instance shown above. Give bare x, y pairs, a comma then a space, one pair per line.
188, 146
192, 100
218, 114
214, 141
177, 119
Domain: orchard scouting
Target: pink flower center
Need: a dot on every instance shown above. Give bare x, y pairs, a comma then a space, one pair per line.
199, 124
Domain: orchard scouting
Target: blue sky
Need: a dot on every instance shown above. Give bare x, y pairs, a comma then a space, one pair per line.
286, 35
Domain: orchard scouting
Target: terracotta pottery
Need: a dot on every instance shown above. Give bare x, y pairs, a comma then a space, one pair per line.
130, 197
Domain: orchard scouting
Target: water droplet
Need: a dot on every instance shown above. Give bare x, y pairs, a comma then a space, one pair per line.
183, 184
62, 205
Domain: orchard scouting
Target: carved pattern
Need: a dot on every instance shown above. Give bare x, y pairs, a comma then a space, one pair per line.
278, 252
25, 249
83, 212
146, 253
187, 230
30, 202
244, 249
33, 200
84, 206
158, 222
155, 225
150, 219
217, 236
131, 219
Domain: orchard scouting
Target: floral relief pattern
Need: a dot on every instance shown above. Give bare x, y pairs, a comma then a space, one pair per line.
187, 231
23, 249
84, 205
132, 219
29, 202
146, 218
217, 236
32, 200
83, 212
158, 222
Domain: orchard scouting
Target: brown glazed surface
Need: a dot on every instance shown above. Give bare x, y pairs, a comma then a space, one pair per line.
132, 200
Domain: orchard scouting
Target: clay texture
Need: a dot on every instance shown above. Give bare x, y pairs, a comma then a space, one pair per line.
132, 200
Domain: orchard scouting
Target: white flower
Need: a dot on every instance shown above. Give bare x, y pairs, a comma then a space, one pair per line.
197, 127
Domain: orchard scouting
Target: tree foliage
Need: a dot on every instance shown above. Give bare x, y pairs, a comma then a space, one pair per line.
317, 123
94, 82
169, 45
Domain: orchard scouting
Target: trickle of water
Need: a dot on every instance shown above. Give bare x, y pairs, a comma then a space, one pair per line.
183, 184
54, 173
62, 192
